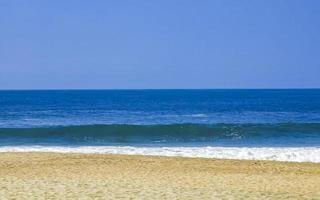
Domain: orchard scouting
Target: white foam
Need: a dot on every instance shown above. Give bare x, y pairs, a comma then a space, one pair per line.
303, 154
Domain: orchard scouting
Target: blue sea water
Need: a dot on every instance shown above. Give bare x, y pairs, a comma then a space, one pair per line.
231, 118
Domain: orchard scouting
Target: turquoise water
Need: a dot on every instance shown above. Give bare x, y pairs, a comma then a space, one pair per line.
240, 118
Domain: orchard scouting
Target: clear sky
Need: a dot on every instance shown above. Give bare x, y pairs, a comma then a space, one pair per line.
105, 44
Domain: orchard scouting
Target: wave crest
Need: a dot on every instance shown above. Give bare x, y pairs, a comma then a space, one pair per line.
170, 133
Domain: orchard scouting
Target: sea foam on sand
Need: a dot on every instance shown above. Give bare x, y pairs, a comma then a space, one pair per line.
293, 154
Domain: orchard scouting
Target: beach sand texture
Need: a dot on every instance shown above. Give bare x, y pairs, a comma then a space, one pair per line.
97, 176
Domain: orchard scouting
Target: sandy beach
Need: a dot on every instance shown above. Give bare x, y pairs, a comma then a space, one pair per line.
94, 176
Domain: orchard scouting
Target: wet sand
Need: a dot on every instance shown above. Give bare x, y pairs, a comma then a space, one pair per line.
93, 176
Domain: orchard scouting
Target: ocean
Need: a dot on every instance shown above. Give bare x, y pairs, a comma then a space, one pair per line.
266, 124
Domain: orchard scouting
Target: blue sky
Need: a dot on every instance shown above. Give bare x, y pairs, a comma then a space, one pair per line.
102, 44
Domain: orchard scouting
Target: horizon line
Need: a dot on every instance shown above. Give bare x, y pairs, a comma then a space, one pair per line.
69, 89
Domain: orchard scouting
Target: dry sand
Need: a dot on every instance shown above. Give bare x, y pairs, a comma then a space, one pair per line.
83, 176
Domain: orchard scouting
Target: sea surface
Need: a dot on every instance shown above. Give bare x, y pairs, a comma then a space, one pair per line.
238, 124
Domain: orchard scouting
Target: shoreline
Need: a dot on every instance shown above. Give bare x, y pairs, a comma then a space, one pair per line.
284, 154
100, 176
